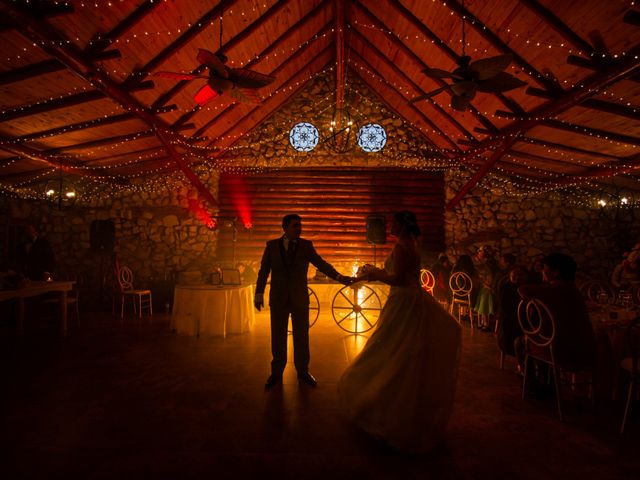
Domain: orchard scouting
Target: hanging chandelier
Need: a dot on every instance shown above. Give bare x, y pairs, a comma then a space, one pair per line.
61, 191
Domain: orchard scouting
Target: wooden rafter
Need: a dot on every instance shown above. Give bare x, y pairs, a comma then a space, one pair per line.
440, 44
397, 42
64, 102
629, 65
35, 155
56, 45
559, 26
74, 127
231, 108
196, 27
272, 12
410, 81
47, 66
310, 66
339, 16
106, 39
592, 103
492, 38
413, 108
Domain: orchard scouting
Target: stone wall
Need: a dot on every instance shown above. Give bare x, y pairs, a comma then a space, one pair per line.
157, 233
536, 224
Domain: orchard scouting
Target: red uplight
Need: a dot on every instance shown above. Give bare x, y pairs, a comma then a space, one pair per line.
201, 213
240, 199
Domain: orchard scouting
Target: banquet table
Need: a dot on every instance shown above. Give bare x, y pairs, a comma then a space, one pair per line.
212, 310
33, 289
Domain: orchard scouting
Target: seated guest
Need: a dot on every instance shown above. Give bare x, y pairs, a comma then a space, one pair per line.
535, 270
442, 271
508, 326
574, 343
37, 259
465, 264
626, 274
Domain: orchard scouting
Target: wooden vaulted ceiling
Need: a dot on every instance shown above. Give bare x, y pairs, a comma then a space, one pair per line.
78, 93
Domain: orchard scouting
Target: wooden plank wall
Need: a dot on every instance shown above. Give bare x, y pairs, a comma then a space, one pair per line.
333, 205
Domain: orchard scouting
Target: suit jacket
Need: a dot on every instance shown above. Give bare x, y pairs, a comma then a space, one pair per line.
289, 272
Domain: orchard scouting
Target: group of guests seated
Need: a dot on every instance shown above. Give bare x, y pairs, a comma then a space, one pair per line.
626, 274
501, 283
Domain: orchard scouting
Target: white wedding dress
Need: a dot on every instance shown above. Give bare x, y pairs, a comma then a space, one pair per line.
401, 387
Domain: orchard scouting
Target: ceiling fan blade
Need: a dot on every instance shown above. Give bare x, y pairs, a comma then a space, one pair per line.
465, 89
246, 78
503, 82
177, 76
459, 103
428, 95
245, 96
490, 67
438, 73
220, 84
212, 62
205, 95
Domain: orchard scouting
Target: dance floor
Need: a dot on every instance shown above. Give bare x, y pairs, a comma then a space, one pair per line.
119, 400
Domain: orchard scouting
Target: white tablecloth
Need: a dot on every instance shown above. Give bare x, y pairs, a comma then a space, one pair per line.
212, 310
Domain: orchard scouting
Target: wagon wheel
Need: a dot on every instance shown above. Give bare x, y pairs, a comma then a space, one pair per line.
314, 308
427, 280
356, 309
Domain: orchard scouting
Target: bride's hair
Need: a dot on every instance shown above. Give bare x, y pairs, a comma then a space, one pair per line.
409, 221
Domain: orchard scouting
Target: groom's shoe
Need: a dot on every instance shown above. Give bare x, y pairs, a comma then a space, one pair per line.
272, 381
307, 378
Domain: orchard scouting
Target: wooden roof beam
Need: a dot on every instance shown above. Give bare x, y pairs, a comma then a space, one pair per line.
438, 42
413, 108
596, 63
109, 140
410, 81
98, 122
104, 40
559, 26
270, 48
47, 66
64, 102
35, 155
196, 27
626, 66
311, 65
630, 166
492, 38
273, 73
592, 103
56, 45
339, 15
397, 42
567, 148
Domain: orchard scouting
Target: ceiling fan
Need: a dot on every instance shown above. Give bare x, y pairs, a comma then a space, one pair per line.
239, 83
484, 75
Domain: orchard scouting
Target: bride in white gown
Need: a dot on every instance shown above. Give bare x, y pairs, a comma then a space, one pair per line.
401, 387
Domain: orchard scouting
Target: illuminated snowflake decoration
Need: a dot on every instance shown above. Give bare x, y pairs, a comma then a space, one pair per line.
303, 137
372, 137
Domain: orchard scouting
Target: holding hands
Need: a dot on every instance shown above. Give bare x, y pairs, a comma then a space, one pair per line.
367, 273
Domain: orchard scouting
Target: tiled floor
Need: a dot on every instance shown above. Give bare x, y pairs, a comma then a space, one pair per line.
127, 400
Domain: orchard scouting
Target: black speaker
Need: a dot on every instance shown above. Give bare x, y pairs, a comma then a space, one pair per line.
376, 230
102, 236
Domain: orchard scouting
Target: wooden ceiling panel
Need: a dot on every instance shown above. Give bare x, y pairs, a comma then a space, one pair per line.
60, 117
386, 42
583, 141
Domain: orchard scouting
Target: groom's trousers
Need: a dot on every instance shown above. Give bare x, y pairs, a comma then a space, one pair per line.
300, 328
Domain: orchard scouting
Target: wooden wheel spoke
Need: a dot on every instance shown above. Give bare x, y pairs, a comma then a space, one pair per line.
344, 318
346, 298
366, 320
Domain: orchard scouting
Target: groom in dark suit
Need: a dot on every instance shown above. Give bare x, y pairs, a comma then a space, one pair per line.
287, 259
